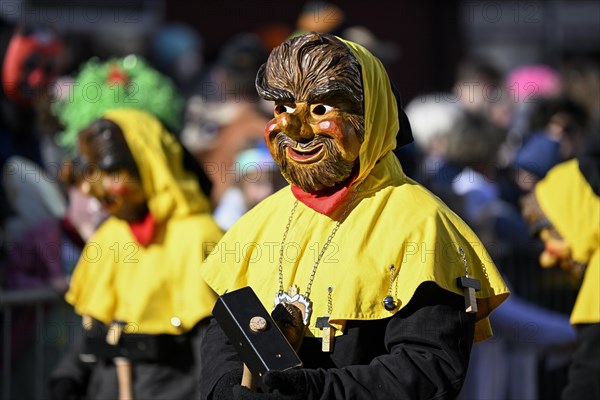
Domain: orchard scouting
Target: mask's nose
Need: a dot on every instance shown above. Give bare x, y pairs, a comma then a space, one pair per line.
296, 124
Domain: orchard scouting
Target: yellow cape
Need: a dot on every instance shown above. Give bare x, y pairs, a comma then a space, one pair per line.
118, 279
574, 209
393, 220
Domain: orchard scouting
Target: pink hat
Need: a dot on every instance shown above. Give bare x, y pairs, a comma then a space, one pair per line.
530, 81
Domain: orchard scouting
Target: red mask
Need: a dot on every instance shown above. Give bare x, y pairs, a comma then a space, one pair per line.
30, 63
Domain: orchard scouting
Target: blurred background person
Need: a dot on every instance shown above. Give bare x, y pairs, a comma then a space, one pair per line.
119, 82
560, 210
479, 87
321, 17
557, 130
32, 201
432, 118
43, 257
142, 302
460, 148
257, 177
177, 50
31, 60
226, 113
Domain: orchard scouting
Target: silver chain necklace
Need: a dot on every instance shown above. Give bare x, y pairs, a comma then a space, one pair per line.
293, 296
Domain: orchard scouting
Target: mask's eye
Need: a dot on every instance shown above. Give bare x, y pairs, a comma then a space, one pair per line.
321, 109
281, 108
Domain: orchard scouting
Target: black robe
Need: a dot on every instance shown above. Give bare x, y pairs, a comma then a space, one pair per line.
422, 352
173, 377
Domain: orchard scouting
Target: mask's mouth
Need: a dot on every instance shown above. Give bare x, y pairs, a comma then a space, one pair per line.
108, 201
306, 155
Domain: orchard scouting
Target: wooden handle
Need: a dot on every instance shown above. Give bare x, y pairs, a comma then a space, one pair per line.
124, 378
247, 379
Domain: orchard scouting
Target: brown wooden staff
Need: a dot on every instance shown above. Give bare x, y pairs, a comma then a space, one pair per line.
124, 378
247, 379
122, 364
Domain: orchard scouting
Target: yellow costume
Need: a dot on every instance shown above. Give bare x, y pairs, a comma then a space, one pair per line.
392, 220
154, 289
569, 198
565, 189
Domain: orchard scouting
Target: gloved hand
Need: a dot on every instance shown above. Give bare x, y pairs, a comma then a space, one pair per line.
224, 386
283, 385
65, 389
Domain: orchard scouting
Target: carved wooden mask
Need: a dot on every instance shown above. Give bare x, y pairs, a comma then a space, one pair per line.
318, 124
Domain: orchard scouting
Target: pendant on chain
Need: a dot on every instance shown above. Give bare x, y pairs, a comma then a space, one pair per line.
293, 297
328, 336
469, 285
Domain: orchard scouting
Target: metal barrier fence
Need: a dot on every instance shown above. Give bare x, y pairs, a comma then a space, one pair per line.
38, 299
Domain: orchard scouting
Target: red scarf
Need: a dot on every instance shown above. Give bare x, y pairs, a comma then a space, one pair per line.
324, 201
143, 230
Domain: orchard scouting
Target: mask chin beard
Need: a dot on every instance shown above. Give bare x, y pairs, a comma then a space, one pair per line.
330, 171
324, 175
132, 214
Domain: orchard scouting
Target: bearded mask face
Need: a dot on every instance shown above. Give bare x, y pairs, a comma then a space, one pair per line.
318, 125
110, 173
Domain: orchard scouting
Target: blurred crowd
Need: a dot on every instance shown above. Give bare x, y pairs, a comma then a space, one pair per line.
481, 146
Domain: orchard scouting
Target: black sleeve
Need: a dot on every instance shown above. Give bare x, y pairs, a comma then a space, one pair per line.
197, 336
218, 357
429, 343
71, 366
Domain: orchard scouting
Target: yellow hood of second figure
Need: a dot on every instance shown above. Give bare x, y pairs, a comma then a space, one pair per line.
561, 192
170, 189
380, 111
571, 205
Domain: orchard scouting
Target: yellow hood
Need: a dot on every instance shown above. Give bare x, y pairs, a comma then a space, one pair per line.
169, 188
380, 110
571, 205
563, 190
